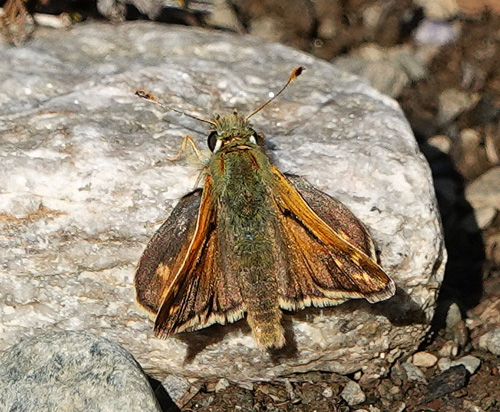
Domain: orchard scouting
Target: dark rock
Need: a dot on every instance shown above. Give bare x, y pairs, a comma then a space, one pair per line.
447, 382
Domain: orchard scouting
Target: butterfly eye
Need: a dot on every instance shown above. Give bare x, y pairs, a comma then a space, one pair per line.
257, 138
212, 140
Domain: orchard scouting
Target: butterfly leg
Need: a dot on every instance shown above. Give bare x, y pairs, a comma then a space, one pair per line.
184, 145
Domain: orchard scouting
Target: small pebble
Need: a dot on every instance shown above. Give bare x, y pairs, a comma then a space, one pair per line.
441, 142
491, 342
436, 32
328, 392
484, 216
483, 191
221, 385
424, 359
414, 373
471, 363
446, 350
453, 316
444, 363
394, 390
399, 407
469, 406
353, 394
398, 374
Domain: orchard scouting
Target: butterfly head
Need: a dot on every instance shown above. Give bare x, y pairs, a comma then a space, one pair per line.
232, 130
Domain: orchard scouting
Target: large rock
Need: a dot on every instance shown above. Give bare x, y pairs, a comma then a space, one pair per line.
84, 184
72, 371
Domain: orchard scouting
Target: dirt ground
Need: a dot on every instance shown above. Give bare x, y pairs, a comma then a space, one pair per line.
461, 144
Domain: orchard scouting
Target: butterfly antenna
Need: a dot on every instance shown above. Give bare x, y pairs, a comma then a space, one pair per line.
144, 94
295, 73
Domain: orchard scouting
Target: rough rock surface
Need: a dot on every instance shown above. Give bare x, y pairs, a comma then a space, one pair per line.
84, 184
72, 371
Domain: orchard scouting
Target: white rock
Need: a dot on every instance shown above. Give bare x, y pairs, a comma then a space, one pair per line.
98, 169
471, 363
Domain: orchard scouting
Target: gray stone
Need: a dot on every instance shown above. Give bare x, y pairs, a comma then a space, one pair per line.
398, 374
455, 326
490, 341
84, 184
72, 371
353, 394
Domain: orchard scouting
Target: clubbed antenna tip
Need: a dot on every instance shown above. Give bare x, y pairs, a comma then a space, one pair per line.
144, 94
293, 75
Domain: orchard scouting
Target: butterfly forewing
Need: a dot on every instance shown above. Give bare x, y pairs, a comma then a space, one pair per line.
336, 215
325, 265
164, 253
198, 295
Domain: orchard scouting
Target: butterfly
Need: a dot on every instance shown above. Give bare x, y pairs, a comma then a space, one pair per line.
253, 242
